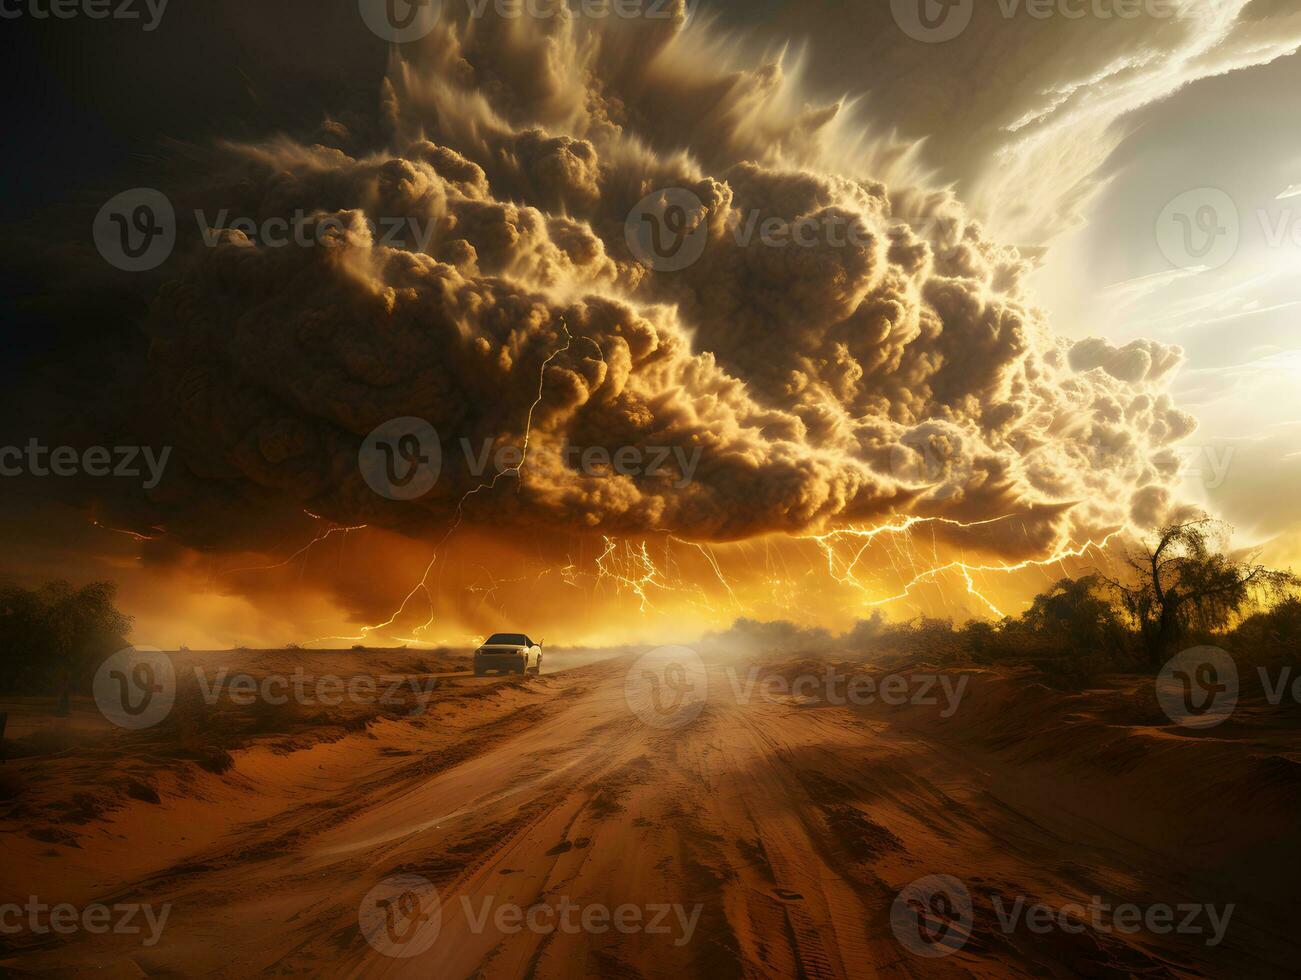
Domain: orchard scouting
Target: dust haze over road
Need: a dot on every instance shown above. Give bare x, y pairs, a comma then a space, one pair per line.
664, 816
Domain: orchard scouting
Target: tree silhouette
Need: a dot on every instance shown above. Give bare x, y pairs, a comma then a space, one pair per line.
51, 637
1074, 609
1185, 580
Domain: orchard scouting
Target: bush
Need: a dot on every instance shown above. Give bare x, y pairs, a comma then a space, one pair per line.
1270, 638
52, 638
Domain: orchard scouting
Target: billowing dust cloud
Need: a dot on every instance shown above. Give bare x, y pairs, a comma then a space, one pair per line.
871, 355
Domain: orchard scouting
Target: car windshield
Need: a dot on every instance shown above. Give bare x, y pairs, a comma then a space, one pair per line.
518, 639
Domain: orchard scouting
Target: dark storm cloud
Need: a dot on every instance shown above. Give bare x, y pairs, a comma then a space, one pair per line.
895, 366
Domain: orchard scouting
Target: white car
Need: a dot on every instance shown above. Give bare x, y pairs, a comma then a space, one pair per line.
508, 652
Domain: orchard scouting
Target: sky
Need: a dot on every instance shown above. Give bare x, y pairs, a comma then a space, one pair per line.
1064, 317
1099, 123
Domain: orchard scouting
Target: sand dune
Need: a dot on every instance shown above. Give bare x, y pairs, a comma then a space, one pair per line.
768, 835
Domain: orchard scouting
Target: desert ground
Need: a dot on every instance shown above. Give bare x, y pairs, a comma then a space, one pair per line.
775, 829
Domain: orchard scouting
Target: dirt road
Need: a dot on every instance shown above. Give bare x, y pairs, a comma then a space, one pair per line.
541, 827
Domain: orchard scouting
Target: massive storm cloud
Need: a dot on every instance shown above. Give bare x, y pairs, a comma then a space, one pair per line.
843, 345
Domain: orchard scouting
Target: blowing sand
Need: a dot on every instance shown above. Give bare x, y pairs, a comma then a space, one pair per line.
769, 835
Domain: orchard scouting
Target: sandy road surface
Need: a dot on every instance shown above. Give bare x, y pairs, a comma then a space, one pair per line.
769, 836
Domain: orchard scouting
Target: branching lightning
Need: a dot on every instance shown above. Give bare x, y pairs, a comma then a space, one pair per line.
845, 576
423, 584
712, 560
966, 570
633, 569
305, 549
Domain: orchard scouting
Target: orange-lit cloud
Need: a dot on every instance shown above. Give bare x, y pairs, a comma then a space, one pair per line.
886, 381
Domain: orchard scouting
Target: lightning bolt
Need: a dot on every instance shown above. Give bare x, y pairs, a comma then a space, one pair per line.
631, 567
488, 593
337, 529
712, 561
867, 536
904, 526
528, 430
966, 570
568, 573
642, 572
423, 584
136, 535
